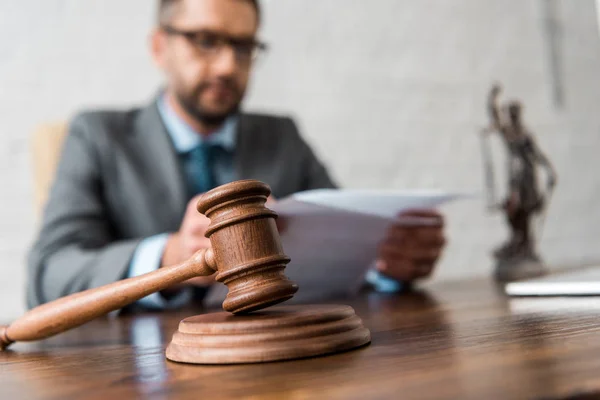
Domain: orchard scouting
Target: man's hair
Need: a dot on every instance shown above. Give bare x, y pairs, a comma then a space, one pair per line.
167, 8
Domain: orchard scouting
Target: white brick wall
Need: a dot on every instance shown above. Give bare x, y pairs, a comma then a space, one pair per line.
390, 93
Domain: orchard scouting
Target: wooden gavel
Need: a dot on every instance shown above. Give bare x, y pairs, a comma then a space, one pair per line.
246, 252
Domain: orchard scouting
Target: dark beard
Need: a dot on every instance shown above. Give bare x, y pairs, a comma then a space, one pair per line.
195, 111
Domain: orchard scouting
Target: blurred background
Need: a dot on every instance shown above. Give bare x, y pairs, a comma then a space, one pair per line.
390, 93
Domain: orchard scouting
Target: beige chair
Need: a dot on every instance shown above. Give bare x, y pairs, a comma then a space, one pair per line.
46, 146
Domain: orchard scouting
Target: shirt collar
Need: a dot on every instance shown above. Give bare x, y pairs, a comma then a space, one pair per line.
185, 138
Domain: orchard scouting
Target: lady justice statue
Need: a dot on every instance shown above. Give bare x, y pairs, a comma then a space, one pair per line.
517, 258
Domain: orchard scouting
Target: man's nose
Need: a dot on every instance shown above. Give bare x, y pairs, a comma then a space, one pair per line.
225, 62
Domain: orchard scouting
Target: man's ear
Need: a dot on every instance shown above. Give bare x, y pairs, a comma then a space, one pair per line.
158, 48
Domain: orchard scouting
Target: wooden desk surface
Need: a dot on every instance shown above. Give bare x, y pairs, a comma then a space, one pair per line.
458, 341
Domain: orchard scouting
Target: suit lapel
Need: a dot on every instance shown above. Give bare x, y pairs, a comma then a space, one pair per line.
162, 168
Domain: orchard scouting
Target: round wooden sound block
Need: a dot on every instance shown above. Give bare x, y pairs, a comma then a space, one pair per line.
278, 333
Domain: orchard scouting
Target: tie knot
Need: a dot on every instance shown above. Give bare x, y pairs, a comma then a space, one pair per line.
207, 150
200, 166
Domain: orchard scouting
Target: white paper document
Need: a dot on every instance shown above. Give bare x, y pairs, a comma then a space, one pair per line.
332, 236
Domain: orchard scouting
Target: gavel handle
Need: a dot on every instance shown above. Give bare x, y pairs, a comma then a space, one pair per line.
72, 311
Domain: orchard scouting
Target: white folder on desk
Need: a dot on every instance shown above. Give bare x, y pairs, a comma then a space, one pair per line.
332, 236
584, 282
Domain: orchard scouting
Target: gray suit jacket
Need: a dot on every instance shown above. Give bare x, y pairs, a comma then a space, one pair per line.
119, 181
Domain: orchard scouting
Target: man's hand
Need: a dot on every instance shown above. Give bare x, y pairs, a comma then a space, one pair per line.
188, 240
413, 245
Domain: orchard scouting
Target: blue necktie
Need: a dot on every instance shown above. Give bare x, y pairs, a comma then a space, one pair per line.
200, 176
199, 168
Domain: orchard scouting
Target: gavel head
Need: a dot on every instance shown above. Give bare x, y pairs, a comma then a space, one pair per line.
246, 248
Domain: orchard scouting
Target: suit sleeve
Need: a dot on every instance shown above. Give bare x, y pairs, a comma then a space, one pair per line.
76, 249
316, 175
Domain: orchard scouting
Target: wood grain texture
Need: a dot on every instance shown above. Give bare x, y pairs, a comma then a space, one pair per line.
457, 341
279, 333
247, 246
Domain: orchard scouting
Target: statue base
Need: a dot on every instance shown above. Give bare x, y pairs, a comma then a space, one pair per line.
519, 267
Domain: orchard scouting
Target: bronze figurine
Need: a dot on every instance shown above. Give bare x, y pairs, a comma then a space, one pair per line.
518, 258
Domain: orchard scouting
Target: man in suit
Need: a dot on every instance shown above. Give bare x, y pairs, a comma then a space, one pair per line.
122, 203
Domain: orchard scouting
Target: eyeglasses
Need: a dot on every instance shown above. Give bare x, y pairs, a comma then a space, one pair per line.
210, 44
